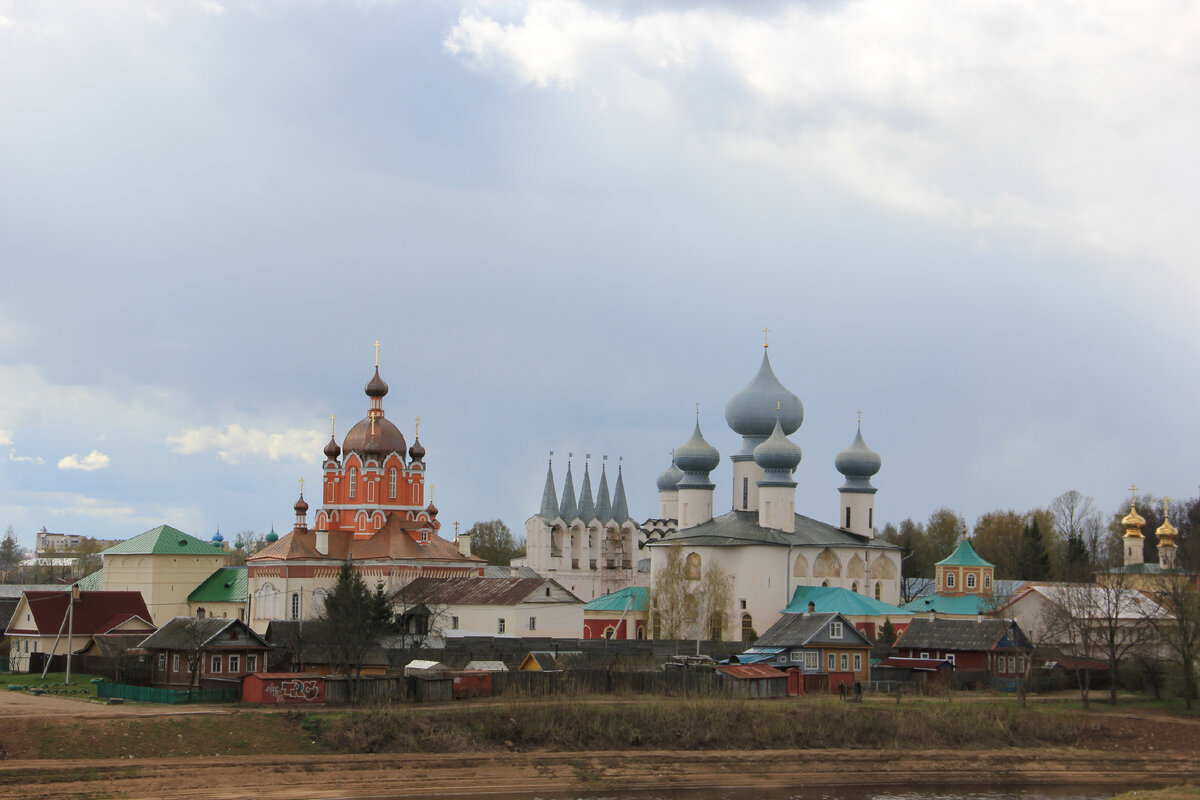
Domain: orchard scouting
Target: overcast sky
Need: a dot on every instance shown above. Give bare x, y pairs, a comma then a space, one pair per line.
567, 222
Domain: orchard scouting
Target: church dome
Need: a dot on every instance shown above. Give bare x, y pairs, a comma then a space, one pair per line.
272, 536
858, 460
1133, 520
754, 410
372, 449
300, 506
697, 455
668, 480
386, 435
217, 537
432, 510
332, 451
1167, 530
376, 387
778, 453
417, 451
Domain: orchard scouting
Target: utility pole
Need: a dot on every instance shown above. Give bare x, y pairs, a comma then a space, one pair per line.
71, 627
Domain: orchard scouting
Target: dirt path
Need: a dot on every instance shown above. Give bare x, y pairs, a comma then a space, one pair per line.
22, 705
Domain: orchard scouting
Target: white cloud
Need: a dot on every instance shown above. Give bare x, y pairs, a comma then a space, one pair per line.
93, 460
212, 8
6, 437
12, 456
236, 443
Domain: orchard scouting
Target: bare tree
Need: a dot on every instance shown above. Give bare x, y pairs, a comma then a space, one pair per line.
714, 599
669, 596
1125, 623
1067, 621
1179, 629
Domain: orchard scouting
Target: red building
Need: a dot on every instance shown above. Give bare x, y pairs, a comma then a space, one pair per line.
996, 646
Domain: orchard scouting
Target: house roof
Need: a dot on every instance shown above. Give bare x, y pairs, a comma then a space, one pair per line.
183, 633
15, 590
1088, 600
390, 543
964, 556
741, 528
621, 600
96, 612
115, 644
226, 585
967, 605
750, 672
92, 582
493, 571
837, 599
800, 630
962, 635
920, 664
486, 666
163, 540
479, 591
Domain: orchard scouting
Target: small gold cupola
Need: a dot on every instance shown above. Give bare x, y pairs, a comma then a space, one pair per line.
1134, 539
1166, 533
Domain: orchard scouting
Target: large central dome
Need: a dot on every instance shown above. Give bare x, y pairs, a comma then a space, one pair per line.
752, 412
386, 435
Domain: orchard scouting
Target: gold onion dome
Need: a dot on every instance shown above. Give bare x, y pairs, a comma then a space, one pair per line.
1133, 522
1166, 529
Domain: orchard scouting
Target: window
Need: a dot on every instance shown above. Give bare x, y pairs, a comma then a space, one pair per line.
216, 664
924, 655
162, 662
742, 604
858, 662
533, 623
949, 580
854, 587
745, 493
610, 632
798, 655
831, 662
252, 663
175, 663
200, 613
871, 518
950, 657
748, 628
812, 660
878, 591
987, 581
691, 567
235, 662
353, 481
1012, 663
454, 623
845, 662
295, 605
971, 581
835, 630
847, 516
392, 483
500, 625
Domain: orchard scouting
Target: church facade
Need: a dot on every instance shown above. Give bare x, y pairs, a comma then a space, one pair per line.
374, 513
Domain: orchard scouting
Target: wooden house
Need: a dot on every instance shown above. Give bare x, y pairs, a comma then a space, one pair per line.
754, 681
996, 646
817, 644
227, 650
47, 623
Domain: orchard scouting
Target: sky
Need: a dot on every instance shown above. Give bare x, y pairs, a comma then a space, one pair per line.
567, 222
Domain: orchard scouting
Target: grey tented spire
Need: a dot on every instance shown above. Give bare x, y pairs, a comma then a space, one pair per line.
587, 506
603, 504
620, 505
549, 509
567, 509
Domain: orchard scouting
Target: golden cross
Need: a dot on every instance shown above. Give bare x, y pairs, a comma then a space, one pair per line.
418, 424
302, 486
377, 352
1133, 495
455, 529
766, 331
372, 426
332, 417
1167, 508
697, 412
778, 406
431, 492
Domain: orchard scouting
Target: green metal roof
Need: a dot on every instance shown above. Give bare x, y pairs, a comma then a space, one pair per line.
163, 540
226, 585
966, 605
964, 556
91, 583
619, 601
836, 599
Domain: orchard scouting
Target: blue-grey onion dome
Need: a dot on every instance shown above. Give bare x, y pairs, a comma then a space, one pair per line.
217, 537
778, 453
858, 460
754, 410
668, 480
332, 450
697, 455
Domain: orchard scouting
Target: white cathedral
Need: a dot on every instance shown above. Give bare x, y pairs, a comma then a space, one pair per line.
762, 543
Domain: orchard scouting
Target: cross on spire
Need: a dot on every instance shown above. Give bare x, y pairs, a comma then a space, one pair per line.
417, 425
1132, 495
766, 341
332, 431
697, 412
302, 486
377, 352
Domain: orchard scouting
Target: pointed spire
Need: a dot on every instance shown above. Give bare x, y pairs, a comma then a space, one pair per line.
587, 506
549, 509
567, 509
603, 503
620, 504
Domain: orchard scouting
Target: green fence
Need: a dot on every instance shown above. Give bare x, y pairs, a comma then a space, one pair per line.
148, 694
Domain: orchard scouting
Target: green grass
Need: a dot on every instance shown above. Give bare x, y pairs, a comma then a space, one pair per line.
81, 684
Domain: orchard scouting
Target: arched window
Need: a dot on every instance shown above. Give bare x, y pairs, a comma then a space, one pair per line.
987, 581
610, 632
264, 602
824, 583
353, 482
641, 632
878, 590
200, 612
691, 567
847, 516
800, 567
392, 483
971, 581
295, 605
854, 587
949, 580
747, 627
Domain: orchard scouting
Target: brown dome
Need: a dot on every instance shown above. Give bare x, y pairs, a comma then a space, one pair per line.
417, 451
332, 451
386, 435
432, 510
372, 450
301, 505
376, 387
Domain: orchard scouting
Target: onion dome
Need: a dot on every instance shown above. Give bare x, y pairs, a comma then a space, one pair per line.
272, 536
217, 538
417, 451
431, 510
1133, 522
332, 450
778, 453
301, 506
376, 387
387, 436
372, 450
669, 478
1166, 532
753, 411
696, 458
858, 463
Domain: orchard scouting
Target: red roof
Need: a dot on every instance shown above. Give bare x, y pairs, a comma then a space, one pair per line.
96, 612
748, 672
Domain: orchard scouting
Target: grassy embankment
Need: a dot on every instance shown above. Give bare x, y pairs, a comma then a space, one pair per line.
566, 727
53, 683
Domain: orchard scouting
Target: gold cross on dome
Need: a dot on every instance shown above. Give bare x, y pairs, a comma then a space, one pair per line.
1167, 508
417, 424
332, 431
302, 486
766, 342
455, 529
1133, 494
377, 352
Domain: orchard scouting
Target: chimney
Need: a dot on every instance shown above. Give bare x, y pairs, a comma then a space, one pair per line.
464, 544
514, 572
933, 615
322, 542
812, 607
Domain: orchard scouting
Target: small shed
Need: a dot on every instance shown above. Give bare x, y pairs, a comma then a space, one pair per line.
271, 688
754, 681
470, 683
486, 666
549, 661
425, 669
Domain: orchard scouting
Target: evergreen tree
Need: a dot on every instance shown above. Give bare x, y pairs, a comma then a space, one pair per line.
1033, 562
1076, 562
10, 553
353, 621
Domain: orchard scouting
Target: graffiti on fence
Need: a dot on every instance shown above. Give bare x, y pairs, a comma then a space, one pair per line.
303, 691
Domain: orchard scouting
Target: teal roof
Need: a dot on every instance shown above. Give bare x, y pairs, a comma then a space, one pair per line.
964, 556
966, 605
92, 583
163, 540
827, 599
226, 585
619, 601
